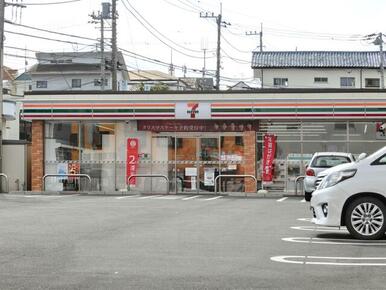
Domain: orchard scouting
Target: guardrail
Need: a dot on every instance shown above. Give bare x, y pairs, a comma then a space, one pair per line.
231, 175
66, 175
297, 181
151, 176
6, 181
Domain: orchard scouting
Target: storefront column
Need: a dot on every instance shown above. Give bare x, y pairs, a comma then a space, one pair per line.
37, 164
250, 159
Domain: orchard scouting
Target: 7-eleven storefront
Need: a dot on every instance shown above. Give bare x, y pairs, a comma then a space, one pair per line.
192, 138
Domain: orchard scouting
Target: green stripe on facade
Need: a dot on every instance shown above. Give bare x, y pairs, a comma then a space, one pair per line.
232, 110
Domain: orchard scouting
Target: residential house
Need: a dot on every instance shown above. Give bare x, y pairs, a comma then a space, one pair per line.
67, 71
317, 69
152, 80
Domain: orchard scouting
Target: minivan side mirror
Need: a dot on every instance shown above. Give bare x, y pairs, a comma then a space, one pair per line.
361, 156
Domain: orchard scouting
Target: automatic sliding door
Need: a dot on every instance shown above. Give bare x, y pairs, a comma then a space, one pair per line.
186, 164
208, 160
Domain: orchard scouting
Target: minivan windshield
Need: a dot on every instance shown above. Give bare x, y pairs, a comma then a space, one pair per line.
329, 161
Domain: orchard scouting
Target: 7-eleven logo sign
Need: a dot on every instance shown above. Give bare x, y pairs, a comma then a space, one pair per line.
192, 110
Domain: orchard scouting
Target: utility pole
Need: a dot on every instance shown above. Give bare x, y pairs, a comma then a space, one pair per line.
2, 20
2, 8
379, 41
249, 33
114, 45
204, 68
100, 17
219, 23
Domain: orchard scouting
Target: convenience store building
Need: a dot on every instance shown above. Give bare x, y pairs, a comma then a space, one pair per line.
193, 137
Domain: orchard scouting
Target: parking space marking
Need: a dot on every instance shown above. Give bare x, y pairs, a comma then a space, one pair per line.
327, 241
149, 196
305, 219
319, 229
335, 261
47, 196
191, 197
282, 199
127, 196
213, 198
169, 197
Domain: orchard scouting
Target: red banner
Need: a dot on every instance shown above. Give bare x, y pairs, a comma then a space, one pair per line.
268, 156
132, 159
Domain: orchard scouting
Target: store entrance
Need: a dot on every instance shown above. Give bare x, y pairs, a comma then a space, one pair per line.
197, 164
193, 162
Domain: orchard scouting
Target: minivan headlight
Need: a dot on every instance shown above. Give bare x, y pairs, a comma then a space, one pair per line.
335, 177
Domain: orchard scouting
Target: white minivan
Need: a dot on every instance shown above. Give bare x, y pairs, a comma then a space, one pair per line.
354, 195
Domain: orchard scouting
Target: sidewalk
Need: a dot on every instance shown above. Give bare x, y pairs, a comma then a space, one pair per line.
274, 194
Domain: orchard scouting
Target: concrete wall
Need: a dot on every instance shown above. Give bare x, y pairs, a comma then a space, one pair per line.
304, 78
15, 165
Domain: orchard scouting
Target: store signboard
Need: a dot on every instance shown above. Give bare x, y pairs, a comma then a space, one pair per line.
197, 125
193, 110
268, 157
190, 171
132, 159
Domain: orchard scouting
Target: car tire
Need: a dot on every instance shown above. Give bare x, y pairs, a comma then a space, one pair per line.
307, 195
366, 218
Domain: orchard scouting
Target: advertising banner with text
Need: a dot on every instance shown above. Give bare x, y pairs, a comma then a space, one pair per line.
268, 157
132, 159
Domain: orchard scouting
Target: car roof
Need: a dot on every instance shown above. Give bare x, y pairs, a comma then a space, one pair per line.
332, 154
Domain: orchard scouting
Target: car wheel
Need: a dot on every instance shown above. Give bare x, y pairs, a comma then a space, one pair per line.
307, 195
365, 218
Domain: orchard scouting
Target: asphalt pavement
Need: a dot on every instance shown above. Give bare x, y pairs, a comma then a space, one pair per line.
178, 242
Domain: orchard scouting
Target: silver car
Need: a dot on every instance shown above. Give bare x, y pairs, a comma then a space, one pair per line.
319, 162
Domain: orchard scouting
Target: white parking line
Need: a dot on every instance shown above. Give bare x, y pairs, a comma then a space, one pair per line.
169, 197
213, 198
282, 199
149, 196
46, 196
319, 229
332, 241
335, 261
304, 219
190, 197
303, 200
127, 196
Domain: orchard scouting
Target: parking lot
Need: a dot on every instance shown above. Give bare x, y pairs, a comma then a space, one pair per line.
178, 242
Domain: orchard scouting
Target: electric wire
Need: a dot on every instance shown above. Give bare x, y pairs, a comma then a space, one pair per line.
50, 3
157, 31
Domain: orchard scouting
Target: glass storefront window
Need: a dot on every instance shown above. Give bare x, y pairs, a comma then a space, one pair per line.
232, 158
98, 154
363, 131
61, 151
313, 131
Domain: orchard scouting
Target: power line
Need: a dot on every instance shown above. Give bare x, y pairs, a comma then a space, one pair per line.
152, 33
45, 38
51, 3
50, 31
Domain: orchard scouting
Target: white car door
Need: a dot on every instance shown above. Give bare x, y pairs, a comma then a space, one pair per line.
374, 176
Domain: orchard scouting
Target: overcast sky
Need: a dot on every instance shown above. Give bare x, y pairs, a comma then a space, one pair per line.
287, 25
